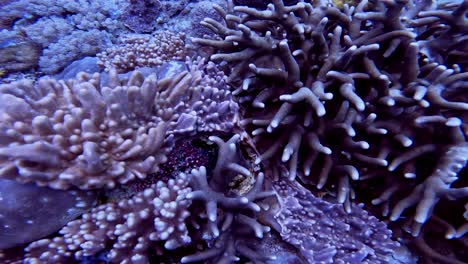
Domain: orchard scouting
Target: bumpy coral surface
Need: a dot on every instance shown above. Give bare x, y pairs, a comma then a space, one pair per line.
338, 237
79, 133
135, 51
131, 226
90, 135
63, 30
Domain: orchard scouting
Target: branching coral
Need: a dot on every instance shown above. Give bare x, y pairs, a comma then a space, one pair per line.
237, 223
354, 94
368, 97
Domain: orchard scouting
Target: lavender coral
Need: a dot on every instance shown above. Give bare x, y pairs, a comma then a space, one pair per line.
81, 133
90, 135
336, 237
135, 51
344, 96
132, 227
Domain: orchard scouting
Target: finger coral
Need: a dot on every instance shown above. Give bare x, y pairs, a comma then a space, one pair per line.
81, 133
132, 227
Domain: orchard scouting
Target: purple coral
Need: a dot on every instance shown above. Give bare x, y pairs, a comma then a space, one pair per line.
300, 76
80, 132
91, 135
344, 96
131, 227
324, 233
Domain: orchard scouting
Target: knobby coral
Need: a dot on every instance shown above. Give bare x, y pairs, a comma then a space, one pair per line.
135, 51
81, 133
88, 134
131, 226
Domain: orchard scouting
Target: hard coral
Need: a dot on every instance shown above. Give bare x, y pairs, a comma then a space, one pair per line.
341, 96
128, 229
136, 51
332, 236
80, 132
88, 134
233, 219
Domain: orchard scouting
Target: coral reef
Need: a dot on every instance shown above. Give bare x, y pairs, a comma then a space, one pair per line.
79, 133
345, 96
132, 227
337, 237
62, 30
136, 51
309, 117
140, 16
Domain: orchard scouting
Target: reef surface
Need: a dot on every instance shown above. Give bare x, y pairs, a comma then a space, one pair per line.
233, 131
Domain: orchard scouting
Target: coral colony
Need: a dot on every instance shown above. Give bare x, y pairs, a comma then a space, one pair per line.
310, 132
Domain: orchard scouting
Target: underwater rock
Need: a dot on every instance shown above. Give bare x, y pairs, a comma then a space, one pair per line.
18, 54
29, 212
86, 64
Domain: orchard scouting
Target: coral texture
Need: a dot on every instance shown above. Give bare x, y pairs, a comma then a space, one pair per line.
88, 134
131, 227
325, 86
135, 51
81, 133
336, 236
227, 160
64, 30
140, 16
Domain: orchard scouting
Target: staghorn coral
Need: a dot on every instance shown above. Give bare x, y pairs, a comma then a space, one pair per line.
232, 218
135, 51
237, 222
345, 96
